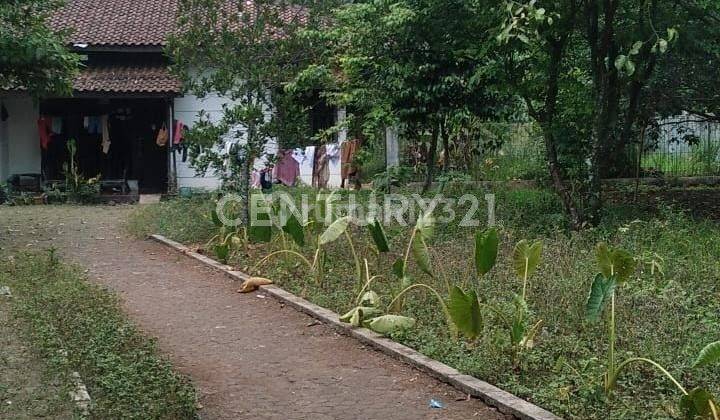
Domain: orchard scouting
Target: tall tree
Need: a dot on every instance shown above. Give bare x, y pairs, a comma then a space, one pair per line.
246, 51
32, 56
584, 69
413, 62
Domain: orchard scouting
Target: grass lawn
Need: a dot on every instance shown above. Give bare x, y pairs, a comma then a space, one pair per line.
74, 326
668, 311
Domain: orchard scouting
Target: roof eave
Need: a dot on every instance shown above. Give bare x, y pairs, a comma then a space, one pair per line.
116, 48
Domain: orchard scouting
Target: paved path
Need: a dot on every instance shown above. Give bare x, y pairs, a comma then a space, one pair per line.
248, 355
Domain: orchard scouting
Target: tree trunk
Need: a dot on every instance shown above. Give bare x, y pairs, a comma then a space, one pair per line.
430, 163
547, 122
446, 146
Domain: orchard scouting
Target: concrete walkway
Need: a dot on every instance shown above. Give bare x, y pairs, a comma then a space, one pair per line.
248, 355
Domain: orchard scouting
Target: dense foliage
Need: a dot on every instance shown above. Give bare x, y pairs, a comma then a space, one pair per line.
664, 310
33, 57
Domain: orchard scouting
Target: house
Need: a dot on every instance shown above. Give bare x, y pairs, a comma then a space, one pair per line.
122, 98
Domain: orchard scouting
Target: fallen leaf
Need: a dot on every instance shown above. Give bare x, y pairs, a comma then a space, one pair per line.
253, 283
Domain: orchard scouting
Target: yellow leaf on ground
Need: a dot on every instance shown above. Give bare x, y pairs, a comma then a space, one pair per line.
253, 283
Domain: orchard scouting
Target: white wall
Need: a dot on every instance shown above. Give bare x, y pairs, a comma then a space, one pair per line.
20, 134
187, 109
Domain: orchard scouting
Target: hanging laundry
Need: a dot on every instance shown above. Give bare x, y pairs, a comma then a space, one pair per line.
332, 151
92, 124
287, 169
348, 167
265, 181
162, 136
179, 132
305, 157
57, 125
105, 134
321, 173
333, 164
45, 131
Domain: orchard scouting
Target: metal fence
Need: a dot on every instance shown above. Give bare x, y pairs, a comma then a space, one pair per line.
682, 146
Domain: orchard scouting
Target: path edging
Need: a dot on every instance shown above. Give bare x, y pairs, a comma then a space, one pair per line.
504, 401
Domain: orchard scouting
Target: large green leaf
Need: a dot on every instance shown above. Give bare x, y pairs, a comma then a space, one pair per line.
387, 324
421, 255
260, 233
465, 312
222, 251
294, 228
357, 315
709, 354
517, 330
696, 404
486, 249
378, 235
325, 208
600, 292
602, 253
215, 218
369, 298
398, 268
615, 262
526, 256
425, 225
334, 231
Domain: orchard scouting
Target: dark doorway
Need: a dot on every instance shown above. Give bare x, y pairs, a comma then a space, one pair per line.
132, 126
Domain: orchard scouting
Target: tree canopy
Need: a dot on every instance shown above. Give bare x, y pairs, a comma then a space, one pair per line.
34, 58
593, 74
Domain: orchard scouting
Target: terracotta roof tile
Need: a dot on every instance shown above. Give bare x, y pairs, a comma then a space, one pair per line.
139, 23
127, 79
117, 22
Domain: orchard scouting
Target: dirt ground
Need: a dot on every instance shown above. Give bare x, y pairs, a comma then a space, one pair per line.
248, 355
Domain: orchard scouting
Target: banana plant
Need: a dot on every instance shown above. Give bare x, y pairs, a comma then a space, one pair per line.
616, 267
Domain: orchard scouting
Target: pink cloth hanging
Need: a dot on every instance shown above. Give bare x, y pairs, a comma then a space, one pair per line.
287, 169
178, 132
45, 131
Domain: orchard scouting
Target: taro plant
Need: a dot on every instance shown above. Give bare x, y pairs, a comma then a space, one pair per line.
378, 235
616, 267
291, 226
698, 403
417, 247
226, 241
369, 313
367, 301
464, 307
526, 258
